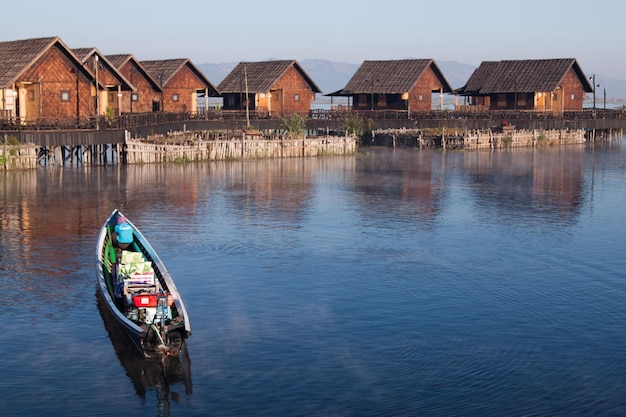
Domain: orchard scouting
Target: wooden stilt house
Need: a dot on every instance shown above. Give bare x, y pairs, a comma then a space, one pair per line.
109, 81
43, 81
147, 94
275, 88
181, 84
406, 85
552, 85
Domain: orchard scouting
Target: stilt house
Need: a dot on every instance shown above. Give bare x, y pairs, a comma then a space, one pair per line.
271, 87
111, 83
552, 85
147, 94
405, 85
181, 84
42, 80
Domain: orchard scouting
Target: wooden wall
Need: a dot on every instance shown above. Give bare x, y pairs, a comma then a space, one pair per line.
573, 91
107, 98
51, 75
146, 93
420, 98
184, 85
292, 84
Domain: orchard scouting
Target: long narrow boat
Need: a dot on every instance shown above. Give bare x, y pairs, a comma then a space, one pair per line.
146, 374
140, 292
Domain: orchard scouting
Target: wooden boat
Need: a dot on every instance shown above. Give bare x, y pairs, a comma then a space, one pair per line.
140, 292
165, 375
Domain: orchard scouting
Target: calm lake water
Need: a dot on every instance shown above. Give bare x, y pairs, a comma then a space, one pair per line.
399, 282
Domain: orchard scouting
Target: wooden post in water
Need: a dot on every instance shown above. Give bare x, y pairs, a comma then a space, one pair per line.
443, 137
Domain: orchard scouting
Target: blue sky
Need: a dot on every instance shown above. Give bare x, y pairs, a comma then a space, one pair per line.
344, 31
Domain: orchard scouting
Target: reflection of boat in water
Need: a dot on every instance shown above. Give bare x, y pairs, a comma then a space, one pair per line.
160, 374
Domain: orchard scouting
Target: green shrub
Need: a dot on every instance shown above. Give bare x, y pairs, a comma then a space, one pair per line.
294, 124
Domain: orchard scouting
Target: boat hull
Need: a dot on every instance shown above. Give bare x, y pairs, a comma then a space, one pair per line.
154, 330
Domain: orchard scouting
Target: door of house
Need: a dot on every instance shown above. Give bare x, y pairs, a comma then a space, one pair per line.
29, 107
156, 106
540, 101
277, 102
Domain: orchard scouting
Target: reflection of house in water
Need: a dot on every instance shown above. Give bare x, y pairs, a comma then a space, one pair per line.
406, 182
275, 189
526, 182
32, 198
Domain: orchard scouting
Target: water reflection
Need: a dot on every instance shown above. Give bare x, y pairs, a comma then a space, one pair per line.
511, 182
161, 376
49, 214
322, 296
545, 184
407, 181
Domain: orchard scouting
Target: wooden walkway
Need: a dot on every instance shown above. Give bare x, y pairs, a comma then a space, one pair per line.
319, 123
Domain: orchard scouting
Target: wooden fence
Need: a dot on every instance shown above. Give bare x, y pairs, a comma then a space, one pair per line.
140, 151
174, 149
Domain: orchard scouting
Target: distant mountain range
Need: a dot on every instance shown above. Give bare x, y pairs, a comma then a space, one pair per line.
331, 76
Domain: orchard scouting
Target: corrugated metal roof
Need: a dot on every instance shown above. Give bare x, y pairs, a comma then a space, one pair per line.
522, 76
391, 77
261, 76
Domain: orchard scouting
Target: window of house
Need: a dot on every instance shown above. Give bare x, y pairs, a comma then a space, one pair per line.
65, 95
296, 97
230, 101
573, 97
134, 97
420, 97
175, 97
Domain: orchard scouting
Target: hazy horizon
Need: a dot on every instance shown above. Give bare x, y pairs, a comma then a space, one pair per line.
348, 31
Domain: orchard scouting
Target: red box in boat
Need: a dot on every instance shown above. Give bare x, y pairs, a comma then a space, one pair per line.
145, 300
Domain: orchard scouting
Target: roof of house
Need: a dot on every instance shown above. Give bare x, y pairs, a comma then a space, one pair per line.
164, 70
522, 76
18, 56
119, 60
84, 54
390, 77
261, 76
